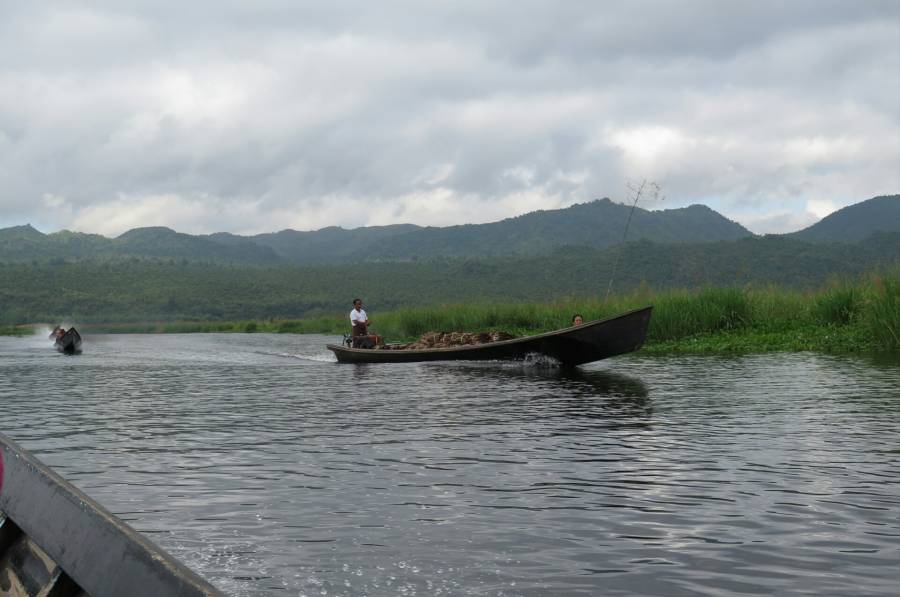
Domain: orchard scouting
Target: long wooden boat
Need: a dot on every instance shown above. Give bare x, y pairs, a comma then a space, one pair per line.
57, 542
571, 346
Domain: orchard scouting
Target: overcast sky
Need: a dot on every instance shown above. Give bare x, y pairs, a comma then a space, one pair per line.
256, 116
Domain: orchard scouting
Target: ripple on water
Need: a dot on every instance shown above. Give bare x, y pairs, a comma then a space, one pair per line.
269, 468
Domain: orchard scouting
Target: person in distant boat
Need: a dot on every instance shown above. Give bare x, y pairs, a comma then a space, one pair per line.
359, 319
577, 319
360, 322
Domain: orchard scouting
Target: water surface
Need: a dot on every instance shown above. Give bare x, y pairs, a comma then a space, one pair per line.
271, 470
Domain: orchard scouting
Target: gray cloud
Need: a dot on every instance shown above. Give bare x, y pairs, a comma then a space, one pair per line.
251, 117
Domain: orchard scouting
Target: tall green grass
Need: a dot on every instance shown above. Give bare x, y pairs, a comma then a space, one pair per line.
848, 316
862, 315
838, 305
680, 314
675, 314
882, 311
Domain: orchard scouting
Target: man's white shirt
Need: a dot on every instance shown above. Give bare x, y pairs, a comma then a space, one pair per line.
358, 316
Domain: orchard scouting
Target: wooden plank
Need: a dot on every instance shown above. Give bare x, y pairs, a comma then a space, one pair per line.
26, 570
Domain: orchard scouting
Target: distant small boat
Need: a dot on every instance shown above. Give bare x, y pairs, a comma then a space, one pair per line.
69, 342
55, 540
571, 346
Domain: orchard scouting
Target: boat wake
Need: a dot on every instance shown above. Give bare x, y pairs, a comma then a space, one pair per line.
318, 358
536, 360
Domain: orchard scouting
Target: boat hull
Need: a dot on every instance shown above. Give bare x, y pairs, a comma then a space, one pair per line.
69, 343
55, 540
592, 341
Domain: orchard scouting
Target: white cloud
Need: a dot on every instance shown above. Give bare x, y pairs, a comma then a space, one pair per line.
820, 207
646, 147
779, 222
283, 114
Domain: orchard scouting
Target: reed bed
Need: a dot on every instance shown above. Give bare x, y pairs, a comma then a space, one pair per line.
847, 316
881, 311
16, 330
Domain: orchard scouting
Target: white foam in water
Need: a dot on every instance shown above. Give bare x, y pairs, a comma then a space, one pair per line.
540, 361
319, 358
40, 338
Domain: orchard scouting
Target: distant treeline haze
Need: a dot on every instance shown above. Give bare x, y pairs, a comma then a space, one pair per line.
167, 290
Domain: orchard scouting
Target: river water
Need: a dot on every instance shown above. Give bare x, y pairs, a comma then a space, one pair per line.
272, 470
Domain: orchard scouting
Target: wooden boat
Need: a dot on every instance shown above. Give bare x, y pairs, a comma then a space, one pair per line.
571, 346
68, 343
56, 541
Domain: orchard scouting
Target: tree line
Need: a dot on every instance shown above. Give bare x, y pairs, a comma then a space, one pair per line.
136, 289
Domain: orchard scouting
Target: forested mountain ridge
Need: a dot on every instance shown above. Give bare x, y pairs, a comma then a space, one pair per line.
596, 224
327, 245
24, 243
855, 222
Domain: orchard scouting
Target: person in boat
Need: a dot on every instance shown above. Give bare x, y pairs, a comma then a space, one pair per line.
577, 319
359, 322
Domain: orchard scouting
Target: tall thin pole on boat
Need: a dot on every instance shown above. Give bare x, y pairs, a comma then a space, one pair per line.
650, 187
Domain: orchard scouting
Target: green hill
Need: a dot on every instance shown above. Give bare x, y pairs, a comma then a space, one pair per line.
597, 224
24, 243
164, 242
328, 245
855, 222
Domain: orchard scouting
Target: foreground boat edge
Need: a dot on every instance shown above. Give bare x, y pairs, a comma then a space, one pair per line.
94, 549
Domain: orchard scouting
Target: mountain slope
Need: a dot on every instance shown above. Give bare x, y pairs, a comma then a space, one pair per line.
597, 224
24, 243
165, 242
855, 222
328, 245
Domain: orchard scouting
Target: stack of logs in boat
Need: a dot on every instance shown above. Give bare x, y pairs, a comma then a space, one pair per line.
448, 339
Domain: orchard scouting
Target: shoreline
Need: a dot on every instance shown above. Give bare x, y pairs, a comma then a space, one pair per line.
845, 318
829, 339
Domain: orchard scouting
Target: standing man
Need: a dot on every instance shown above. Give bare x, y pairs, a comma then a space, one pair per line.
360, 325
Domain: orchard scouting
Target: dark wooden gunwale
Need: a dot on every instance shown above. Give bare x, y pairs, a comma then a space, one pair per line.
476, 352
95, 549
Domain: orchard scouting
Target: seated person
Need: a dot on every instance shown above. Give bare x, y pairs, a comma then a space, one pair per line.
359, 322
577, 319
